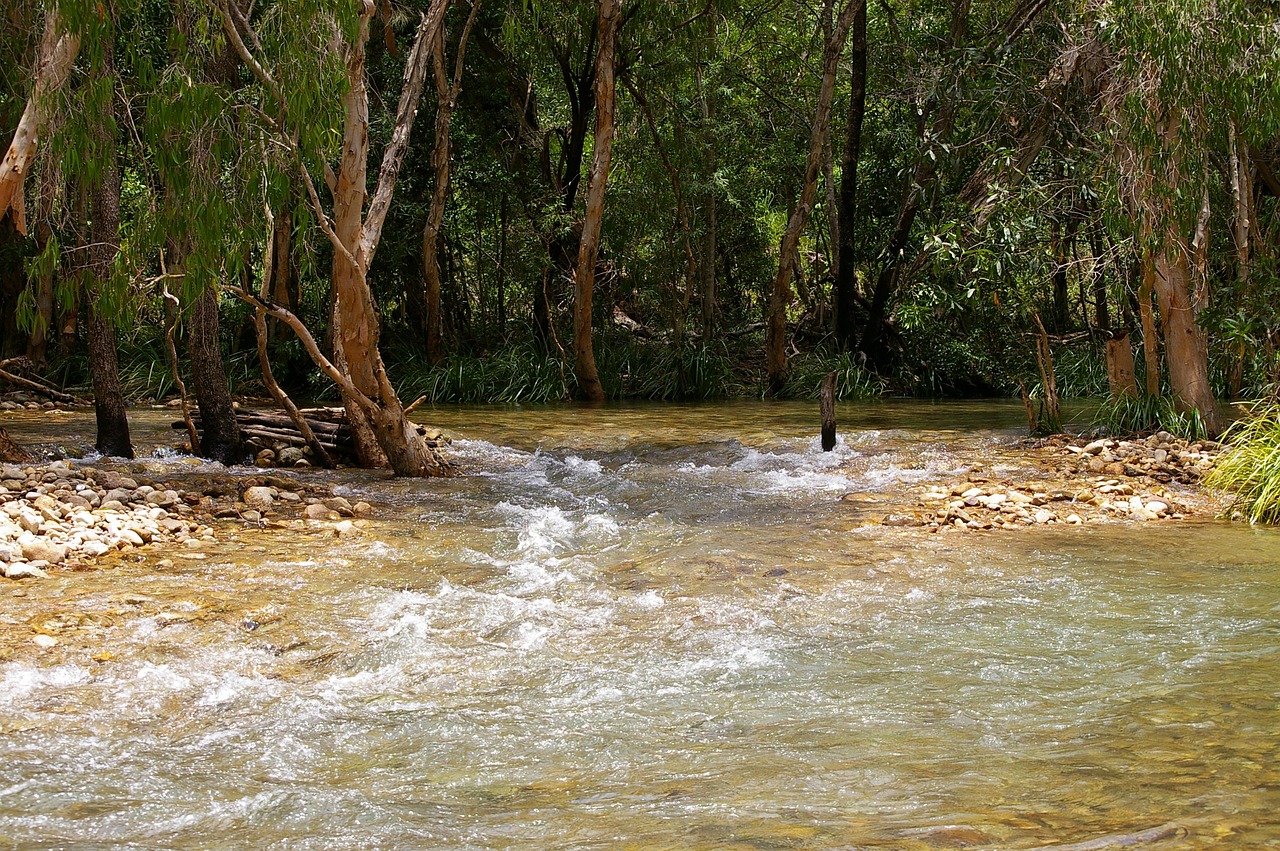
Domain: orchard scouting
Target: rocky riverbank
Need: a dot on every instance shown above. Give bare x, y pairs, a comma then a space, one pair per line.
1074, 482
67, 515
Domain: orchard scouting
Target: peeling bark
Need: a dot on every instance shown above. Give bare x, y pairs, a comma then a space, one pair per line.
58, 52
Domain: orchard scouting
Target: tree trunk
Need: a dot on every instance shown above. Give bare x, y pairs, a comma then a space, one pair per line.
57, 55
1150, 339
12, 282
1185, 344
1101, 315
827, 405
873, 343
610, 17
846, 281
1121, 380
220, 438
1061, 305
709, 297
446, 102
284, 273
383, 434
780, 293
104, 233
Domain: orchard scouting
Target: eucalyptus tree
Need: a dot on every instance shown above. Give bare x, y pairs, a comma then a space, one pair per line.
104, 286
57, 54
1191, 78
293, 83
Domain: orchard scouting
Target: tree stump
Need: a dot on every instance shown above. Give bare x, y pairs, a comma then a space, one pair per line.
827, 399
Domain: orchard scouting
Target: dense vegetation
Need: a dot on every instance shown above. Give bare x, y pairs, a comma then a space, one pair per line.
683, 199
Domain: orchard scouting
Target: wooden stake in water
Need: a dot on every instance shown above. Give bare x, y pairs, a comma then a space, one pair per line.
827, 398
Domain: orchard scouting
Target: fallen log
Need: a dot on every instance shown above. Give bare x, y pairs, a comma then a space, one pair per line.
330, 431
40, 387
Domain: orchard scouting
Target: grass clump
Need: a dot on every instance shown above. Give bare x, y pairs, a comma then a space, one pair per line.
1144, 414
1250, 468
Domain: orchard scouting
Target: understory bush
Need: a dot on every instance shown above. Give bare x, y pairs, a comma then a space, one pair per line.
853, 381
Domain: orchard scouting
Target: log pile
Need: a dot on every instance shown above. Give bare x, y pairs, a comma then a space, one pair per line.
275, 441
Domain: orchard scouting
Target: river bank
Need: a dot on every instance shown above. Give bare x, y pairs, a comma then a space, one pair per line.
66, 514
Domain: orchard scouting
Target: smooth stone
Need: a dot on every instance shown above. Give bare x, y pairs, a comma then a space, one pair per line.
259, 497
95, 549
317, 511
290, 456
42, 549
45, 641
25, 571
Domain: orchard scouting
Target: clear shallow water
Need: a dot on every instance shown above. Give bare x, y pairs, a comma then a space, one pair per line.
654, 627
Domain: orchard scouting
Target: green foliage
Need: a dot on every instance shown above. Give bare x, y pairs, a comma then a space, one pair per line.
1145, 414
1250, 468
1080, 371
853, 381
519, 375
660, 371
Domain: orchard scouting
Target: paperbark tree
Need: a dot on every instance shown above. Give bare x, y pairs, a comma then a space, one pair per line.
584, 359
845, 295
383, 434
788, 254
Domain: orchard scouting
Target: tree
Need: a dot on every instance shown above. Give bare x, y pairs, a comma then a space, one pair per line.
610, 18
788, 255
384, 436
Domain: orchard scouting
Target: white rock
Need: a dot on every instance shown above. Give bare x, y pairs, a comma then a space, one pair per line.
259, 498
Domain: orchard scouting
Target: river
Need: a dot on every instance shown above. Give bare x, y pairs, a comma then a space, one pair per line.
650, 627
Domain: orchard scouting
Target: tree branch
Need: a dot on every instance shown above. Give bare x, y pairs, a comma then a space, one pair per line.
415, 75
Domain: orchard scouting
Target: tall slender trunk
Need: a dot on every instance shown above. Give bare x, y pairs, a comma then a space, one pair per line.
104, 233
584, 359
1101, 316
1150, 339
447, 93
284, 272
1242, 180
1061, 306
12, 282
709, 297
845, 296
780, 293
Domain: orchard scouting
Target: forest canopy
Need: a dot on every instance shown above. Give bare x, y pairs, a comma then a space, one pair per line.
520, 200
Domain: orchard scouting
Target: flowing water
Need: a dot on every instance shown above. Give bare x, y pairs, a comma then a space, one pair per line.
651, 627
